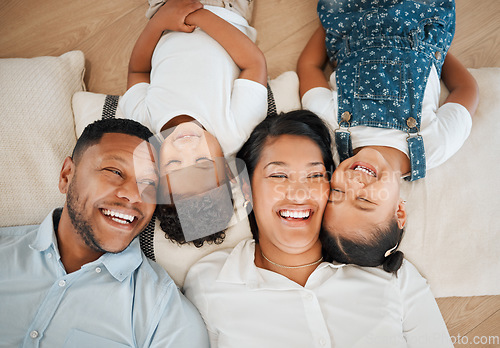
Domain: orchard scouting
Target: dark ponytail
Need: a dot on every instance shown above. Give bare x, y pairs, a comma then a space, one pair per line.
367, 253
393, 262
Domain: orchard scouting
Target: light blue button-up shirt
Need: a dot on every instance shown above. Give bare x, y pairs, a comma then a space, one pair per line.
119, 300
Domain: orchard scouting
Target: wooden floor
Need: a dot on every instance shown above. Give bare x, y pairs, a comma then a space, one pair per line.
106, 32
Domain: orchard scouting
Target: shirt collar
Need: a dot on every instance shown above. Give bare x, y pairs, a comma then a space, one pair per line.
333, 264
122, 264
239, 268
119, 265
46, 237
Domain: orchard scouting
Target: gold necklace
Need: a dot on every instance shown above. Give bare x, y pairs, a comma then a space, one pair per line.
291, 267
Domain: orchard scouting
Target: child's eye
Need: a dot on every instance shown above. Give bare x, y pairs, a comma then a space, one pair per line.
204, 159
336, 195
364, 200
147, 182
172, 162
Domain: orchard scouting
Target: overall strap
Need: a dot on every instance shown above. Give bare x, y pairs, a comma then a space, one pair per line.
417, 158
271, 104
416, 151
146, 237
110, 106
344, 145
343, 137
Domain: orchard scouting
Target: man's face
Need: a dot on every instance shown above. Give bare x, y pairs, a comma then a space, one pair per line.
111, 193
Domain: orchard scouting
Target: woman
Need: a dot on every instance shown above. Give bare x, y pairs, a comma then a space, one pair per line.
274, 290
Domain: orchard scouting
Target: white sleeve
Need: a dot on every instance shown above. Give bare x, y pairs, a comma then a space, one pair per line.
323, 102
446, 133
248, 105
423, 324
133, 104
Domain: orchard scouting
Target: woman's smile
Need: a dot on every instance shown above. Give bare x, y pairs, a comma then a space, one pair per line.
290, 190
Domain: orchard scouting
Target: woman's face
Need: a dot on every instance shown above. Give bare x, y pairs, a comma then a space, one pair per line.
364, 194
290, 191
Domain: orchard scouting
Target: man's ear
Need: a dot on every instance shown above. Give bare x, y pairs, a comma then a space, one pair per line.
401, 213
66, 175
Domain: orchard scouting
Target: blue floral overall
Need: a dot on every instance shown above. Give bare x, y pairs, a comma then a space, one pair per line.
384, 51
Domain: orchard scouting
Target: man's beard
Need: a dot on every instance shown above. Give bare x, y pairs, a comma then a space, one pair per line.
80, 223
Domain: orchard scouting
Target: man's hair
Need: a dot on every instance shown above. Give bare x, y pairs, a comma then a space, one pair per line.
206, 210
369, 252
299, 122
93, 133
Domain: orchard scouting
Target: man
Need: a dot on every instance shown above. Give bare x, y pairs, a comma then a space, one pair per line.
80, 279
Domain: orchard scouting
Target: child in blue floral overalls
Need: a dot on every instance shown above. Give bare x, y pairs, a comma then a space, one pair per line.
384, 107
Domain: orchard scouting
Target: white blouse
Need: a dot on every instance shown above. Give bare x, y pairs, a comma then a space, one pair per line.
340, 305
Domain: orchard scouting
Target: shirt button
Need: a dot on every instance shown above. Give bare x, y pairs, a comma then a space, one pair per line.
62, 283
49, 255
438, 55
309, 297
346, 116
411, 122
322, 341
98, 269
34, 334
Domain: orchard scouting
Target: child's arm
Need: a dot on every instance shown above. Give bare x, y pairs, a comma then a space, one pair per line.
461, 84
242, 50
311, 62
171, 16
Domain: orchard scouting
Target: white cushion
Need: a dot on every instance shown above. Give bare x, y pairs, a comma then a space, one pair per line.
88, 107
285, 90
452, 234
37, 133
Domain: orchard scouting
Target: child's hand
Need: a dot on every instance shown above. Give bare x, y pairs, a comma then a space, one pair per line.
172, 15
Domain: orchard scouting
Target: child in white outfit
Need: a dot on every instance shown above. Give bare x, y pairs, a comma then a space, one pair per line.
203, 85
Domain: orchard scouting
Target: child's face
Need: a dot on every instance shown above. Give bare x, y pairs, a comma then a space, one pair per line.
191, 161
364, 194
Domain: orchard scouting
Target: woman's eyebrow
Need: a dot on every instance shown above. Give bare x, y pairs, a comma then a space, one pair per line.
276, 163
283, 164
313, 164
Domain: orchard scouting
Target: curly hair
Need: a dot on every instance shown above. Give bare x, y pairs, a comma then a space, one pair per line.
198, 216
